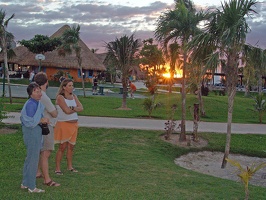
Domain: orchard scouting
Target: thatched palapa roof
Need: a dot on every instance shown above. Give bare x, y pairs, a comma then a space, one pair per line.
52, 59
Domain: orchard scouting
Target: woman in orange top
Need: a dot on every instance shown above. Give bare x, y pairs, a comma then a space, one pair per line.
132, 89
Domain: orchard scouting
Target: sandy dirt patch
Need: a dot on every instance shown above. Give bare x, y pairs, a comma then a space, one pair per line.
210, 162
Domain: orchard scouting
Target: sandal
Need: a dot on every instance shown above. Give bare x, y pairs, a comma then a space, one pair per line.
52, 183
36, 190
39, 176
73, 170
23, 186
58, 172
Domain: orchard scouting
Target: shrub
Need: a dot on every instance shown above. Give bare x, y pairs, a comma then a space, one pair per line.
149, 105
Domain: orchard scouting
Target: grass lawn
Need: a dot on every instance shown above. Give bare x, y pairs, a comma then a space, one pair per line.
215, 107
128, 164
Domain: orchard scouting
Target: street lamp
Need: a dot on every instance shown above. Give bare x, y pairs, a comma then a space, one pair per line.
39, 57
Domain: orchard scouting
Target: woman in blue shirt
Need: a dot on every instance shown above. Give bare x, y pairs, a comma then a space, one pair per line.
31, 117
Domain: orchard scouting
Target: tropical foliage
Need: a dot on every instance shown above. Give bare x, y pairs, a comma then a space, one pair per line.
70, 42
41, 44
245, 174
226, 33
178, 26
259, 105
150, 105
122, 52
5, 39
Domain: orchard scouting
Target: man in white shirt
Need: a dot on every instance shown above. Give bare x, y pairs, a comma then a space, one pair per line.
48, 140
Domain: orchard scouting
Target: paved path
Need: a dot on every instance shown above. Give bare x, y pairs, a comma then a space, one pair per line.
141, 124
20, 91
152, 124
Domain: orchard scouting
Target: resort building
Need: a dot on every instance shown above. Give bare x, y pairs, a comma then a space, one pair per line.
53, 65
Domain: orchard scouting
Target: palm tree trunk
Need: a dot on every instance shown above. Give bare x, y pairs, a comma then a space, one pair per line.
231, 86
247, 86
6, 69
171, 80
196, 122
82, 81
201, 104
124, 84
81, 71
260, 84
183, 119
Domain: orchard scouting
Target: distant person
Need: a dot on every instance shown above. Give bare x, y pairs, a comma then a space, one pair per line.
66, 127
132, 88
95, 85
61, 79
31, 117
69, 76
31, 77
50, 112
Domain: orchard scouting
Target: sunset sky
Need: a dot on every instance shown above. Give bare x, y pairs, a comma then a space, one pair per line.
105, 20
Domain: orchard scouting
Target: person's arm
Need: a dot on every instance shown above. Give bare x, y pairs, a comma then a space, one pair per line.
61, 102
79, 106
31, 109
53, 113
49, 106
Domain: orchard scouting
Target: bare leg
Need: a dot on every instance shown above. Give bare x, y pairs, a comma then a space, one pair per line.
39, 172
59, 155
45, 165
70, 148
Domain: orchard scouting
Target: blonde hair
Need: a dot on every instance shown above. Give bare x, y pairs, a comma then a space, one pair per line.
61, 90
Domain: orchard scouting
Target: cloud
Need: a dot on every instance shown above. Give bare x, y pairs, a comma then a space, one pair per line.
100, 21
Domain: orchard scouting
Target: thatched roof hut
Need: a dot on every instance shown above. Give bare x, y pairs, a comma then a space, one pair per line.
52, 59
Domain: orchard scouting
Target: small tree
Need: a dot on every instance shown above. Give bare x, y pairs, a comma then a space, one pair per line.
150, 105
259, 106
245, 174
41, 44
170, 125
151, 59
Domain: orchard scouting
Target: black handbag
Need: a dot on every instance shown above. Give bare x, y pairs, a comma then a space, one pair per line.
45, 129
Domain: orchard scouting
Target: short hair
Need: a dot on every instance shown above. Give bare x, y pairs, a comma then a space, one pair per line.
40, 78
31, 87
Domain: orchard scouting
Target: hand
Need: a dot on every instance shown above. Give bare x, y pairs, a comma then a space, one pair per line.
45, 120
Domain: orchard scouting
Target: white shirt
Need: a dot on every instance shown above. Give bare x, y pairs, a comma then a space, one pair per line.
62, 116
49, 107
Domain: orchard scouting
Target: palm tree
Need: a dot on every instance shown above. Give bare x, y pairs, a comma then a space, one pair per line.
246, 173
5, 37
259, 65
200, 64
173, 57
226, 30
70, 42
179, 26
122, 52
255, 57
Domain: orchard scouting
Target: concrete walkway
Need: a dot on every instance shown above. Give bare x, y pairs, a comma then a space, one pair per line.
152, 124
20, 91
128, 123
